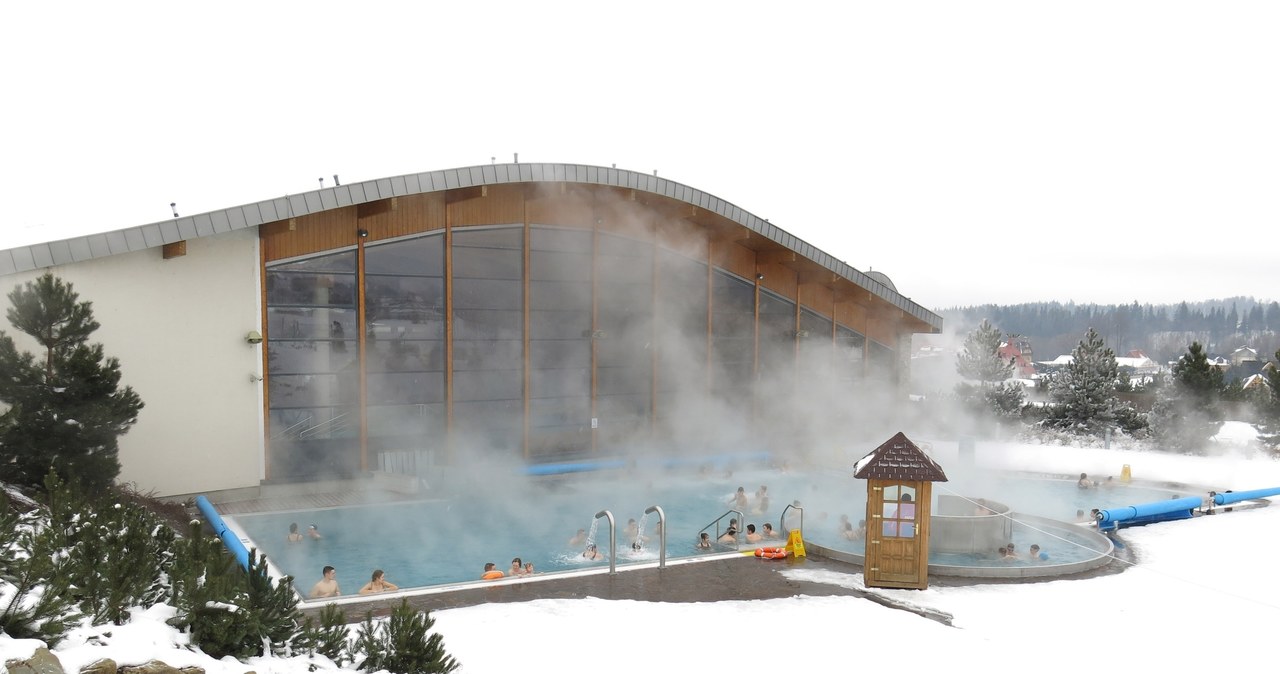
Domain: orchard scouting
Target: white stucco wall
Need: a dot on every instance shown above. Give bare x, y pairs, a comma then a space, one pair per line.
178, 328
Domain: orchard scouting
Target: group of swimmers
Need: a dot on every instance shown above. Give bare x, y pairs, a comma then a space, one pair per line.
1085, 483
296, 537
328, 584
1009, 553
518, 568
743, 503
730, 535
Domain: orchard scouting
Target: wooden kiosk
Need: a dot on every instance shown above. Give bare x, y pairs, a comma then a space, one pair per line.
899, 477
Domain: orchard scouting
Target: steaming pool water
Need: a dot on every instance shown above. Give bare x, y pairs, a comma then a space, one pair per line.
443, 542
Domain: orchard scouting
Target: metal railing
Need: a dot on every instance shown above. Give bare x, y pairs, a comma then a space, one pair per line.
732, 522
782, 520
613, 541
662, 534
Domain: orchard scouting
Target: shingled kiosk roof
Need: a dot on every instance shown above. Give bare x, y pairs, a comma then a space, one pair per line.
899, 459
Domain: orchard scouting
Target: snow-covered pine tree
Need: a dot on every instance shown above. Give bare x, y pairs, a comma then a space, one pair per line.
327, 635
116, 552
403, 644
1187, 412
1084, 392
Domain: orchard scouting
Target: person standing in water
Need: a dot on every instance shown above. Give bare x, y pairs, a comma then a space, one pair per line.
328, 585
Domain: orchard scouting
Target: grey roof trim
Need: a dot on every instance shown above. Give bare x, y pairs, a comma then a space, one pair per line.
38, 256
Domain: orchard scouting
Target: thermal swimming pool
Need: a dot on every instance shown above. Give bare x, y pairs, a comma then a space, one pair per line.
448, 541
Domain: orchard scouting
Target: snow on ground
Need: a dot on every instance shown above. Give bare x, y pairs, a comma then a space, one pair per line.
1203, 594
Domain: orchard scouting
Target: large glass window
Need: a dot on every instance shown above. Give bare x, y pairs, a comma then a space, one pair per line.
777, 343
405, 346
732, 335
850, 345
880, 362
488, 331
681, 330
313, 367
624, 343
816, 349
559, 341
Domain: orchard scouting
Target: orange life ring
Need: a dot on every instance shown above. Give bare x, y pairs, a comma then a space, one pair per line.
493, 575
771, 553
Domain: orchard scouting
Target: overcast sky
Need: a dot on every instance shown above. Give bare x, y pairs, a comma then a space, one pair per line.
973, 151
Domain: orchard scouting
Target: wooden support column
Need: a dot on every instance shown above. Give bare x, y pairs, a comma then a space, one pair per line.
527, 366
361, 346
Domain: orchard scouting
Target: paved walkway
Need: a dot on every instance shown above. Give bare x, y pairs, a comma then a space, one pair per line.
738, 578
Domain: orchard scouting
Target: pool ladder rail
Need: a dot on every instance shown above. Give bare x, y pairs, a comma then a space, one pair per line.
613, 537
716, 524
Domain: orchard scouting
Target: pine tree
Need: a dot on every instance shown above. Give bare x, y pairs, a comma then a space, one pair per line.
67, 411
328, 636
1269, 405
117, 552
1084, 392
993, 398
402, 644
35, 597
233, 612
1186, 413
981, 359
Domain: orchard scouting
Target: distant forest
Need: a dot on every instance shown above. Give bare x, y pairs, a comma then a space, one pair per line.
1162, 332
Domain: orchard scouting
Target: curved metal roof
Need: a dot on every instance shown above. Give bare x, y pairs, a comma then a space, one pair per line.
81, 248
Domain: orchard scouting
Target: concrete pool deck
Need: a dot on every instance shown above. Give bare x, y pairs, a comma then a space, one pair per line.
726, 578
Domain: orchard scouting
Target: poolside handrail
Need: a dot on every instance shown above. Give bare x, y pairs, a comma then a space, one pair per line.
662, 534
782, 520
716, 523
613, 541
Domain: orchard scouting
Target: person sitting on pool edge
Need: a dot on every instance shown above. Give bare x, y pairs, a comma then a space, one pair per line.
378, 583
491, 572
328, 585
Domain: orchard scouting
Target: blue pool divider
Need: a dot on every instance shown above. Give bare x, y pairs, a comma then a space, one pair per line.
1146, 513
1173, 509
667, 462
229, 539
1238, 496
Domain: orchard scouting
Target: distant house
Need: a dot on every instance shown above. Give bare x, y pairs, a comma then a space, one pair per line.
1141, 369
1242, 355
1255, 382
1018, 350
